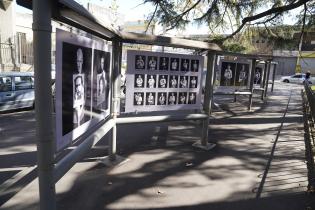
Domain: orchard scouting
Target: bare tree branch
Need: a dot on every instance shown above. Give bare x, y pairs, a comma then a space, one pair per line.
152, 17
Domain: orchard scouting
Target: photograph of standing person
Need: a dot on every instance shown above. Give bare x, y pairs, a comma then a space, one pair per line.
76, 86
172, 98
173, 81
241, 74
101, 86
194, 65
138, 98
174, 64
182, 98
183, 82
192, 98
139, 81
151, 81
152, 63
164, 63
140, 62
184, 65
161, 99
193, 82
227, 74
163, 81
150, 98
257, 77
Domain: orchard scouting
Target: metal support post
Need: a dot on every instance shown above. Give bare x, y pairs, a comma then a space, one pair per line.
264, 83
208, 96
267, 78
43, 103
273, 75
251, 84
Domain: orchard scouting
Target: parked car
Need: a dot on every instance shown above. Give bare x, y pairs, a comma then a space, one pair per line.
16, 90
297, 78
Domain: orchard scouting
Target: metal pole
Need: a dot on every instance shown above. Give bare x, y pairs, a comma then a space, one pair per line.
43, 103
267, 78
208, 96
251, 84
273, 76
117, 50
264, 81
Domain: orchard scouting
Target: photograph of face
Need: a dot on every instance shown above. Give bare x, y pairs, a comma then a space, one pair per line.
138, 98
76, 86
174, 64
184, 65
227, 74
182, 98
163, 81
152, 63
140, 62
173, 82
139, 81
161, 99
192, 98
193, 82
164, 63
151, 81
194, 65
172, 98
242, 74
183, 82
101, 85
150, 98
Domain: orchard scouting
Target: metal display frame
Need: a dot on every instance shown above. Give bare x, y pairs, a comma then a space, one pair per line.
73, 14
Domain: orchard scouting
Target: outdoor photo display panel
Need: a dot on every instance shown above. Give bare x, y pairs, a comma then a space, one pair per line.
162, 81
82, 85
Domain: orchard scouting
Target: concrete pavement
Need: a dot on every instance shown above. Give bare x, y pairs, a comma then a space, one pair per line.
259, 163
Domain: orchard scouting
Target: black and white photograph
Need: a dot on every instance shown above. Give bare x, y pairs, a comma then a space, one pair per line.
164, 63
161, 100
227, 74
192, 98
151, 81
139, 81
173, 82
172, 98
193, 81
150, 98
194, 66
140, 62
184, 64
101, 81
182, 98
76, 91
174, 64
163, 81
152, 63
138, 98
242, 72
258, 75
183, 81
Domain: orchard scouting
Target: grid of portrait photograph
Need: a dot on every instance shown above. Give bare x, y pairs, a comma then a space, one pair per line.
234, 74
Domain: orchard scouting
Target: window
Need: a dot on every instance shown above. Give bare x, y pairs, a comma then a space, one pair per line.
23, 82
5, 84
297, 76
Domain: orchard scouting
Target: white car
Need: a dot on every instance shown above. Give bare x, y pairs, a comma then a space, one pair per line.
296, 78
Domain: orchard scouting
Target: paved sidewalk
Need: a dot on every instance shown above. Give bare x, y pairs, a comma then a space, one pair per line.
259, 163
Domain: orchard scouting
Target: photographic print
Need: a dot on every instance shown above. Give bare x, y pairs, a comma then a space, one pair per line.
193, 81
164, 62
227, 74
152, 63
258, 75
101, 81
174, 64
138, 98
161, 98
173, 83
172, 98
242, 72
140, 62
182, 98
151, 81
194, 65
184, 64
192, 98
163, 81
183, 82
150, 98
139, 81
76, 86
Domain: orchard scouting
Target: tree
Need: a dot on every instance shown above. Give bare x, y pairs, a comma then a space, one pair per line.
233, 15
